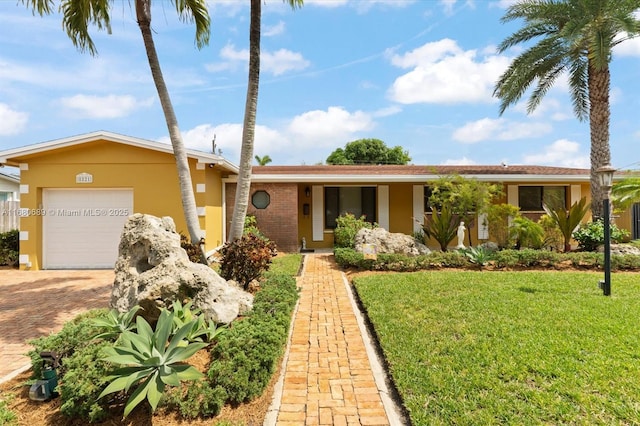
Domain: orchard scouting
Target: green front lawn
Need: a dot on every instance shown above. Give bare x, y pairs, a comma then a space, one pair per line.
471, 348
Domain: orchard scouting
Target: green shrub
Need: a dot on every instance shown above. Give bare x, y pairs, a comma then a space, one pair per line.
347, 226
527, 233
9, 247
246, 259
251, 227
196, 399
75, 334
246, 356
86, 376
7, 417
590, 235
552, 237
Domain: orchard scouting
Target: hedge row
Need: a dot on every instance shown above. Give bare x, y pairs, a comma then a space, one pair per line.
503, 259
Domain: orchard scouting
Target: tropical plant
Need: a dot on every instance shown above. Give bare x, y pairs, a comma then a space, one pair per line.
368, 151
626, 193
568, 221
201, 329
527, 233
77, 15
553, 238
245, 259
466, 197
441, 226
243, 187
115, 323
152, 360
479, 256
263, 161
590, 235
9, 247
576, 36
498, 222
347, 226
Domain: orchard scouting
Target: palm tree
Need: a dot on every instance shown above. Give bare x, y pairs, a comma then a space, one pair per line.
576, 36
78, 14
263, 161
626, 193
243, 186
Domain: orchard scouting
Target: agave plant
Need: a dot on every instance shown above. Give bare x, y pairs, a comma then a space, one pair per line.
201, 329
116, 323
568, 221
151, 360
479, 256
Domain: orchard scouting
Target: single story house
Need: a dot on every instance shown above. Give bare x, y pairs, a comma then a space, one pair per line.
77, 192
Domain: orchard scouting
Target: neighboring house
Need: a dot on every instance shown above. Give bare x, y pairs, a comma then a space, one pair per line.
9, 187
9, 201
304, 201
76, 193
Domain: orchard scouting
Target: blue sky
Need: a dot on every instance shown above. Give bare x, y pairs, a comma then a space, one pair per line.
419, 74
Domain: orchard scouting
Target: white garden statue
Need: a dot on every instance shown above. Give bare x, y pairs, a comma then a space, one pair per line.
460, 236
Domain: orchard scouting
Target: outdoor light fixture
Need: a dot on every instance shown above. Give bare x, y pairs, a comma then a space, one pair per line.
307, 192
605, 178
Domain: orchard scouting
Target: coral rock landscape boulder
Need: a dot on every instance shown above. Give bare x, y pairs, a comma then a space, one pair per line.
389, 242
153, 271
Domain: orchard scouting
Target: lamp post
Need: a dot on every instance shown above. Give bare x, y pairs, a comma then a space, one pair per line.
605, 177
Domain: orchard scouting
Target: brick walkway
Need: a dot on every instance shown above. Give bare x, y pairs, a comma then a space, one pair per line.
36, 303
328, 379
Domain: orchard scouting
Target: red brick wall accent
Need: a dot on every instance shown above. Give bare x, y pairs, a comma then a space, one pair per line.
279, 221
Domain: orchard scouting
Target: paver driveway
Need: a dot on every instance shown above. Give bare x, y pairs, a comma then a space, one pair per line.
36, 303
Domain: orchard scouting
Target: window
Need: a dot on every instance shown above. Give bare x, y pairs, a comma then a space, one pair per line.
260, 200
427, 195
359, 201
4, 196
531, 198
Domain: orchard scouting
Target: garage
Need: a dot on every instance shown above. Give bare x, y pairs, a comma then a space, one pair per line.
81, 227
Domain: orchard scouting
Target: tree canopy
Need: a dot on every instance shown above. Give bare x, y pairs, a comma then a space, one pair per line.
368, 151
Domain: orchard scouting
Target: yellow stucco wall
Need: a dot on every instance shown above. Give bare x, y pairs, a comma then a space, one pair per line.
151, 174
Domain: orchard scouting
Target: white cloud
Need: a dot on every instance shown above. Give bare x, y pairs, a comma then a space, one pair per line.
444, 73
332, 127
385, 112
276, 63
563, 153
499, 129
110, 106
464, 161
628, 48
273, 30
11, 122
281, 61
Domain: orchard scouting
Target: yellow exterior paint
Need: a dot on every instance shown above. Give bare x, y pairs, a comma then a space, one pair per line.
401, 210
150, 174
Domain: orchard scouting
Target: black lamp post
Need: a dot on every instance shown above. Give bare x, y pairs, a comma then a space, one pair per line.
605, 176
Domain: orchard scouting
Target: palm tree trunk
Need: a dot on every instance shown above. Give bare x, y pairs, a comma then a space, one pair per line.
251, 105
143, 15
599, 112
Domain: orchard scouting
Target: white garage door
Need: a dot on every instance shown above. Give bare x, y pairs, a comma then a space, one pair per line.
81, 228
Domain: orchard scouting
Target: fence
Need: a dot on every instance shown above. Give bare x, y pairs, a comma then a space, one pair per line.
9, 215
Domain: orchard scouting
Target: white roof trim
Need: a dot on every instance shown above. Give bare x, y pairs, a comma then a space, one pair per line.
322, 178
10, 178
202, 157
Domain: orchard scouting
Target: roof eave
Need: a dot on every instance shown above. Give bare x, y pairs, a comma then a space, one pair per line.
323, 178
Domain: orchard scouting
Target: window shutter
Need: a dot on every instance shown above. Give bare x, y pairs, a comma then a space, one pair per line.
483, 228
317, 215
512, 195
383, 206
418, 207
576, 194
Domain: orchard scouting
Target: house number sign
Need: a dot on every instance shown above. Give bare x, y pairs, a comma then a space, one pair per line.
84, 178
